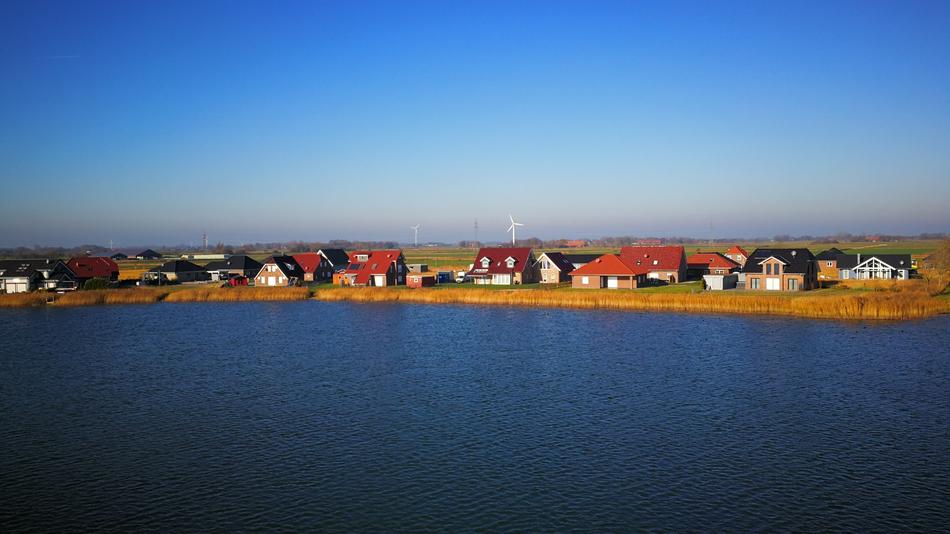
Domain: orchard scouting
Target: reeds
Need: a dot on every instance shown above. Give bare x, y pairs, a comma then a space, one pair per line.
238, 294
112, 296
22, 300
859, 305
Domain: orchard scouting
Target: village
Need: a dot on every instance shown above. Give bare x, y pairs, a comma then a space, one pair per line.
636, 266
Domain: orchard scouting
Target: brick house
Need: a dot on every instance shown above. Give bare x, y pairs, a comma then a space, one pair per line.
780, 269
828, 264
504, 266
279, 271
609, 271
554, 268
737, 254
376, 268
664, 263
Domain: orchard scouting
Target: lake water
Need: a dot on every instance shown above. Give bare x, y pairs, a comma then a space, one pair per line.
343, 417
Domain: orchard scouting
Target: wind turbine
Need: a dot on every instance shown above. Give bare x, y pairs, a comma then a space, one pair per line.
512, 227
416, 230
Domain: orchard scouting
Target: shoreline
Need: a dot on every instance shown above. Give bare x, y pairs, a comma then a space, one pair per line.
845, 305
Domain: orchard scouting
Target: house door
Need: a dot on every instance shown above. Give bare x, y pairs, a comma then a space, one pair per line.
380, 279
773, 284
611, 282
271, 281
502, 279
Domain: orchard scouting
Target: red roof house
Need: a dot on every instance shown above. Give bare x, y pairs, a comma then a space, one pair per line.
703, 263
376, 268
737, 254
609, 271
504, 266
314, 265
93, 267
667, 263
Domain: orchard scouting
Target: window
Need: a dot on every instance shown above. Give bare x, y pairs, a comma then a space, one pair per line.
511, 264
656, 262
754, 282
793, 284
768, 268
585, 280
485, 263
362, 257
829, 264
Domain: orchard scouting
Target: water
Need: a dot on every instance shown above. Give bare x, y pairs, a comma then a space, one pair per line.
342, 417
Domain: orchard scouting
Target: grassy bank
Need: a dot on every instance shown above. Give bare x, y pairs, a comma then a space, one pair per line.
852, 300
842, 304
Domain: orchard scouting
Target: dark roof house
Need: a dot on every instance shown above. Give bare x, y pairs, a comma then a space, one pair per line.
795, 260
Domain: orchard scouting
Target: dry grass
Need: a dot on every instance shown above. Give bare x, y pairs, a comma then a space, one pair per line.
128, 273
112, 296
857, 305
239, 294
21, 300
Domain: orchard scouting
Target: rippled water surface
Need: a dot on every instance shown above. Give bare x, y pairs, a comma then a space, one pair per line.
318, 416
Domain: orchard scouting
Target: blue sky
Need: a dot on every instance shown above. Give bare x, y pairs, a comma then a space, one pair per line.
152, 122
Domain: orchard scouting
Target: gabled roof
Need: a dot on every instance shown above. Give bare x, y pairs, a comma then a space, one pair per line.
287, 265
850, 261
655, 258
148, 253
561, 263
176, 266
237, 262
736, 249
581, 258
309, 261
711, 260
497, 263
336, 256
830, 254
378, 262
610, 265
796, 260
92, 267
28, 268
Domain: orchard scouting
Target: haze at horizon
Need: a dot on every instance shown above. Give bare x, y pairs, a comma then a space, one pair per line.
150, 124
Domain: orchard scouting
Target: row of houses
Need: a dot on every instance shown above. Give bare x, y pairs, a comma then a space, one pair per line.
767, 269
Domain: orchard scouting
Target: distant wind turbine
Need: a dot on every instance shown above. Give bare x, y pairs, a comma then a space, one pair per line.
416, 230
512, 228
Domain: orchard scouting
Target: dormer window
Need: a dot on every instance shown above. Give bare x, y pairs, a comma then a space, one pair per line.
485, 262
510, 263
362, 257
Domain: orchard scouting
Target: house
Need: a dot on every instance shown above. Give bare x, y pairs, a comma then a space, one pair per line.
665, 263
874, 267
21, 276
119, 256
737, 254
376, 268
828, 264
233, 267
279, 271
148, 254
703, 263
315, 267
504, 266
176, 271
87, 268
420, 279
780, 269
554, 268
575, 243
337, 257
609, 271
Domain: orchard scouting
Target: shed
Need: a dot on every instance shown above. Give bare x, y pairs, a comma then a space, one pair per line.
416, 280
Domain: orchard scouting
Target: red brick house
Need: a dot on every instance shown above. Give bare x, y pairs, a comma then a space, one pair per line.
416, 280
665, 263
504, 266
279, 271
376, 268
609, 271
737, 254
314, 265
703, 263
554, 268
91, 267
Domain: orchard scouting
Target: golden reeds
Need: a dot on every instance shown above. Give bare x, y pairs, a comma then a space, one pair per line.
859, 305
112, 296
20, 300
238, 294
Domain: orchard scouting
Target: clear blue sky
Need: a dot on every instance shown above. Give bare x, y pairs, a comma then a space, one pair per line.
152, 122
